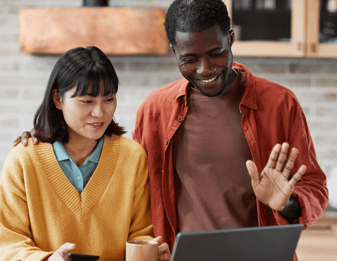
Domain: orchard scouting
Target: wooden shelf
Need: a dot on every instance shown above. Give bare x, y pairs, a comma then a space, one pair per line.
118, 31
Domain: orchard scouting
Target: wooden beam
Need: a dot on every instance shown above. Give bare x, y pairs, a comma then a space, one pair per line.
118, 31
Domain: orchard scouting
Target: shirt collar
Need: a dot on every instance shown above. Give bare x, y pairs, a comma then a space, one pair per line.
60, 152
182, 91
94, 157
62, 155
249, 96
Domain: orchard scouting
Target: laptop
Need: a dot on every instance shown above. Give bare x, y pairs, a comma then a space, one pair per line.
271, 243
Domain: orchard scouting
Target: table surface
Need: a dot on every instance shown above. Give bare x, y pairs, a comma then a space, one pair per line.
319, 242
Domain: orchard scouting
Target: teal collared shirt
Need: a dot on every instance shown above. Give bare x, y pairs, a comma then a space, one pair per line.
78, 176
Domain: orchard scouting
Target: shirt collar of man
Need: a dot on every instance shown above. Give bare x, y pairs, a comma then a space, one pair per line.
249, 98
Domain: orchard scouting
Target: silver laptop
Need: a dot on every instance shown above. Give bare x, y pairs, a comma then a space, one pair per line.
273, 243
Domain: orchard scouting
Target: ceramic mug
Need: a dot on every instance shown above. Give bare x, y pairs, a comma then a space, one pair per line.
141, 250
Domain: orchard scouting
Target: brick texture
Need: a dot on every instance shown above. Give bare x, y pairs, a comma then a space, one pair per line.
23, 79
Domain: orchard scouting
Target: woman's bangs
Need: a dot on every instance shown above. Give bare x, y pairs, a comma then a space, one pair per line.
94, 85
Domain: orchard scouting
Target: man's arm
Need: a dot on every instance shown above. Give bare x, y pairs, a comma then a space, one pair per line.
291, 211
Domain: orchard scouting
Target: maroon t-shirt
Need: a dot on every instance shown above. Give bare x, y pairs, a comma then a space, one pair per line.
213, 187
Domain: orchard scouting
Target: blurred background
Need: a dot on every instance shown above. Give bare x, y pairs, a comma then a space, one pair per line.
293, 43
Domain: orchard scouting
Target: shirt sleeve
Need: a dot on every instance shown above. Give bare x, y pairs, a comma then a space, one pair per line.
136, 132
141, 221
16, 241
311, 191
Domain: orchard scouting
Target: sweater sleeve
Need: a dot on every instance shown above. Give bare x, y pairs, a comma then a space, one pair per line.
16, 239
141, 221
311, 191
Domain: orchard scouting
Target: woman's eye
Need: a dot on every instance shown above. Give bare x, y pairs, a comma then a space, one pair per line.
86, 101
110, 100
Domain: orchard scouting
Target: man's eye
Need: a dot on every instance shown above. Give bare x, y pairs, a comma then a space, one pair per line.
217, 54
188, 60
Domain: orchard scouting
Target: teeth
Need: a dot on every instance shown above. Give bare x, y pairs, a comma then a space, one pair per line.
97, 124
210, 80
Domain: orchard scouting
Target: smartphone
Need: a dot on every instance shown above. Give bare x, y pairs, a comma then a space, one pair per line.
79, 257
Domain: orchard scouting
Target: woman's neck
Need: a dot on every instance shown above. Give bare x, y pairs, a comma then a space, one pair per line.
78, 150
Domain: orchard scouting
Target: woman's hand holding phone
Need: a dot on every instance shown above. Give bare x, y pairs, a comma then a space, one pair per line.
61, 253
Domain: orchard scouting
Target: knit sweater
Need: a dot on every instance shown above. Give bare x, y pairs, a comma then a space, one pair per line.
40, 210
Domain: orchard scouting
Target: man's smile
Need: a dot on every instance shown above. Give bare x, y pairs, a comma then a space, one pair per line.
209, 79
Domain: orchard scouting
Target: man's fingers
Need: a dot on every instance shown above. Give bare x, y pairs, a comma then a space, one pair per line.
24, 137
253, 173
290, 163
297, 176
274, 156
17, 141
32, 133
282, 157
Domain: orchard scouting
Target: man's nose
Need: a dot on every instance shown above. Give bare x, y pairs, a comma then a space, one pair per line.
205, 67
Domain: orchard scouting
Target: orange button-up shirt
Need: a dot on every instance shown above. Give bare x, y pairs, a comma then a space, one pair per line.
271, 114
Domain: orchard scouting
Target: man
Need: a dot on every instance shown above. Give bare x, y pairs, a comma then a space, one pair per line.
202, 132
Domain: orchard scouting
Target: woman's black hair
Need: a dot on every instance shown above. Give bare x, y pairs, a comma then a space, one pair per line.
85, 68
195, 16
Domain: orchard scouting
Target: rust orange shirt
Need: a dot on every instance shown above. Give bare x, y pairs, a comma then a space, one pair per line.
271, 114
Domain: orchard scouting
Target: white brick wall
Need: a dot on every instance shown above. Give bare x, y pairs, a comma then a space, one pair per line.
23, 79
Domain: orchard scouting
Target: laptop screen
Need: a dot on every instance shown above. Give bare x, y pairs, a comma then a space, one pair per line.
272, 243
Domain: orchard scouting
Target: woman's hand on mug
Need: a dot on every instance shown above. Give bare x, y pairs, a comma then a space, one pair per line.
62, 252
164, 253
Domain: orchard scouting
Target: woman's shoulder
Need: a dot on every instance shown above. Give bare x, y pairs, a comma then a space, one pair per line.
126, 145
27, 153
21, 157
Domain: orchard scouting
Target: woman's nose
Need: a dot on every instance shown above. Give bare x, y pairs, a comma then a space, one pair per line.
98, 110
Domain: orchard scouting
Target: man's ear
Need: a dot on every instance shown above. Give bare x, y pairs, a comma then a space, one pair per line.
57, 100
231, 37
174, 51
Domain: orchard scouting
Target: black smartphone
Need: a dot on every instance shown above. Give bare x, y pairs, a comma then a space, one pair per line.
79, 257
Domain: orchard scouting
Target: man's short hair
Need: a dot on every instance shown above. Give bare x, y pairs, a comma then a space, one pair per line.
195, 16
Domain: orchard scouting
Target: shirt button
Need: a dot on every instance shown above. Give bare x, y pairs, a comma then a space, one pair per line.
78, 178
166, 142
180, 119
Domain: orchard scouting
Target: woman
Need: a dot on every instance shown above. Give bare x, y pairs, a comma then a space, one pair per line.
85, 184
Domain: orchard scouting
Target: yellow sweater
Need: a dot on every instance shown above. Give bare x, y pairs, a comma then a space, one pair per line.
40, 210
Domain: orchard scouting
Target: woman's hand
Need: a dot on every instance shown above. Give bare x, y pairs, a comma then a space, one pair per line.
24, 138
61, 253
164, 253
